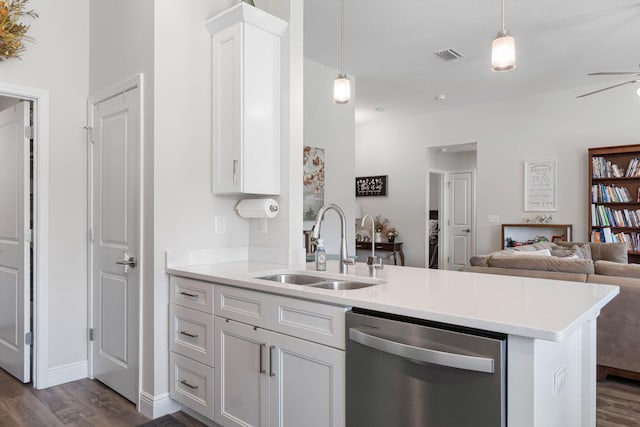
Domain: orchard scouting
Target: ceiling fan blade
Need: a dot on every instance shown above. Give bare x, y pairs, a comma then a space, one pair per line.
607, 88
613, 73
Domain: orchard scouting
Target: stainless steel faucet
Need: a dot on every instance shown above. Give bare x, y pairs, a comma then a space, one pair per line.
344, 259
374, 262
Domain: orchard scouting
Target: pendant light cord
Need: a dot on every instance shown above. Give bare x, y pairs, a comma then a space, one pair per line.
342, 36
503, 30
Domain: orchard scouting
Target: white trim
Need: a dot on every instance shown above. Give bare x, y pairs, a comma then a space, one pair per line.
40, 98
156, 406
66, 373
136, 81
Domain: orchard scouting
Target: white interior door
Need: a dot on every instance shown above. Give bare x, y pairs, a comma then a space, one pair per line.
460, 219
115, 230
15, 294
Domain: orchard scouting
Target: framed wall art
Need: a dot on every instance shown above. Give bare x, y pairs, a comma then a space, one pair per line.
371, 185
541, 186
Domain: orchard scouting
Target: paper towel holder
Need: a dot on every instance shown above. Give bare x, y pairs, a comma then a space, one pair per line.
257, 208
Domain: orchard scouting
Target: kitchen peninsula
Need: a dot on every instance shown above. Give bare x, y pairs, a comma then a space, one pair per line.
550, 328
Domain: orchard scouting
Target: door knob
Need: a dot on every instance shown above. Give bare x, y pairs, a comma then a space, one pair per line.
127, 261
468, 230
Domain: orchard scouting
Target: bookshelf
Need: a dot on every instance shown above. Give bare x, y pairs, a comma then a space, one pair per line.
614, 196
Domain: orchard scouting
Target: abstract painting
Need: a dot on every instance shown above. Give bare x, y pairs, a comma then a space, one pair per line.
313, 182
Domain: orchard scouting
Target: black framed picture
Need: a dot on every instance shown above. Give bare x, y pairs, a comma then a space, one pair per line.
371, 186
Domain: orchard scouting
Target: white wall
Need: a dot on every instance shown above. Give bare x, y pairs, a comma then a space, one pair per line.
58, 62
6, 102
547, 126
332, 127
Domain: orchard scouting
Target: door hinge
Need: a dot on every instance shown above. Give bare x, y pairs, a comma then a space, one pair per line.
28, 235
90, 334
448, 222
92, 234
448, 259
28, 132
28, 338
90, 134
449, 184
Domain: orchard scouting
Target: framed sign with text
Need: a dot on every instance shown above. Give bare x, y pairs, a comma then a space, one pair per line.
371, 185
540, 186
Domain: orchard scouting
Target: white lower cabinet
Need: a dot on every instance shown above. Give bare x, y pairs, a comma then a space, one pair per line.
265, 378
242, 381
307, 383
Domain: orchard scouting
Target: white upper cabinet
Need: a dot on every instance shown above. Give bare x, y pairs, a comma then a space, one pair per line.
246, 100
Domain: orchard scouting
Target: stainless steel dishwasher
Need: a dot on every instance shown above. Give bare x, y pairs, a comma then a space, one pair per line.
407, 372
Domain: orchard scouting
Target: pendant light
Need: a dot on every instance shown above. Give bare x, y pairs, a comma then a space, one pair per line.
342, 85
503, 49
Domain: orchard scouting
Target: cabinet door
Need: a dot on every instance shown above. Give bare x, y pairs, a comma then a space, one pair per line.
241, 380
307, 383
227, 110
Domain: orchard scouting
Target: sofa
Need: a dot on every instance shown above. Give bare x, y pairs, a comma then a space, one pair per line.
604, 263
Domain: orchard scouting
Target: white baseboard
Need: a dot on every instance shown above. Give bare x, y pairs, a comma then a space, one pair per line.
156, 406
66, 373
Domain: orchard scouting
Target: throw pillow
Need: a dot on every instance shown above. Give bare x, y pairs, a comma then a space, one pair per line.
582, 249
616, 252
542, 252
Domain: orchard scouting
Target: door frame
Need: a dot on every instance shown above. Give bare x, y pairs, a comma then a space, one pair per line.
443, 214
448, 208
136, 81
40, 237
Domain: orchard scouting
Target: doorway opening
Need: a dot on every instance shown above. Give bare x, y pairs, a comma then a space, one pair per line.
451, 210
24, 130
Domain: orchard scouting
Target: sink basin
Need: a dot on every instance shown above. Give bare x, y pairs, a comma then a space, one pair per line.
342, 285
294, 279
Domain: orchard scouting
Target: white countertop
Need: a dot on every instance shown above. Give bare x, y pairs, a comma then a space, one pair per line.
529, 307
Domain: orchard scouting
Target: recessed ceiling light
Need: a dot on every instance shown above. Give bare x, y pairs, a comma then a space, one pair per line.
379, 109
440, 97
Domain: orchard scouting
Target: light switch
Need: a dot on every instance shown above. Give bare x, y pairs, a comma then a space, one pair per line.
219, 224
493, 219
559, 379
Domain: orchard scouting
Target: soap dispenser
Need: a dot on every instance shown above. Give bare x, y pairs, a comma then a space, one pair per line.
321, 256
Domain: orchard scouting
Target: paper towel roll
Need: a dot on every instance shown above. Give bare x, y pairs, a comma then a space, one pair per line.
257, 208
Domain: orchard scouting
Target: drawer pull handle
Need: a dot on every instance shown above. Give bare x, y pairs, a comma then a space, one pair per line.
188, 334
192, 387
187, 294
260, 368
271, 373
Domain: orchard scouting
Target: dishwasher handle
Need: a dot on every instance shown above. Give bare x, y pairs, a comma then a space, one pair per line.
452, 360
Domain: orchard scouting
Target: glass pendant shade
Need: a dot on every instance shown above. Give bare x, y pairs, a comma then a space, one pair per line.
503, 52
342, 89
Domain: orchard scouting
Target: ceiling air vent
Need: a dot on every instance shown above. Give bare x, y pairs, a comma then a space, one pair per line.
448, 54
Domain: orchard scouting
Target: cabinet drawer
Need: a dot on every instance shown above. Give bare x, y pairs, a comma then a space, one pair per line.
321, 323
191, 384
191, 293
191, 333
245, 306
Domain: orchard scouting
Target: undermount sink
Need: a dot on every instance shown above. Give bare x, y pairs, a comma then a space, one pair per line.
293, 279
342, 285
316, 282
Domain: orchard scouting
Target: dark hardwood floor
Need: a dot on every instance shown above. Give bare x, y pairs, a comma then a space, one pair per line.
87, 403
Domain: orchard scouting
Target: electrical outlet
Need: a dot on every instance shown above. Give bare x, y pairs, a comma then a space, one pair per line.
219, 223
263, 225
559, 379
493, 219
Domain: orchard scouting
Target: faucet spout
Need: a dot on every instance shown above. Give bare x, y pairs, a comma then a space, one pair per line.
374, 262
344, 259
